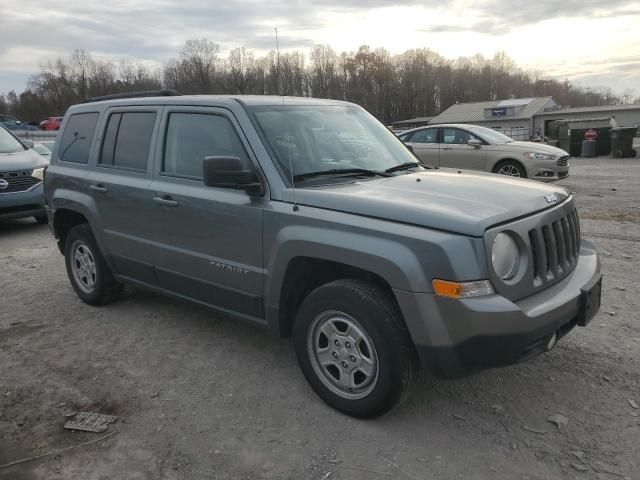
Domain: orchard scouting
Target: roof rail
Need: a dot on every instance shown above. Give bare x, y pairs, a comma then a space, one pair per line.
151, 93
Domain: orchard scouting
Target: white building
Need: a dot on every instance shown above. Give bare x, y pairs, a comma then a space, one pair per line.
514, 117
521, 118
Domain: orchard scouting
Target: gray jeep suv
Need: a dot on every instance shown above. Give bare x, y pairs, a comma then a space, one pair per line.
309, 218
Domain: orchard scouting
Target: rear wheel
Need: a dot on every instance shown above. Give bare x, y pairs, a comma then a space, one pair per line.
89, 274
510, 168
354, 349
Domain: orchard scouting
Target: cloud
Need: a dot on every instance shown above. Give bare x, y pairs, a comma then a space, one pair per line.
153, 31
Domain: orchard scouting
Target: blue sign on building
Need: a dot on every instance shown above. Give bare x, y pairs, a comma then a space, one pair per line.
499, 112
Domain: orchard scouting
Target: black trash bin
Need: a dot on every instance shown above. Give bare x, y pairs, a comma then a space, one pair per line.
622, 142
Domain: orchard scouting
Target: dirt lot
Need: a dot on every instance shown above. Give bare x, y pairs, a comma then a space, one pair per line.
200, 397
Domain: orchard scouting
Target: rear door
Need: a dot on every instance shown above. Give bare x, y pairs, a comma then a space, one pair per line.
456, 153
119, 184
425, 146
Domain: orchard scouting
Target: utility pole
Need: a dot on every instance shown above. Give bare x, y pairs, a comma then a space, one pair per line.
277, 64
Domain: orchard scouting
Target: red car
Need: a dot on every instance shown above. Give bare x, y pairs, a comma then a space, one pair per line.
51, 123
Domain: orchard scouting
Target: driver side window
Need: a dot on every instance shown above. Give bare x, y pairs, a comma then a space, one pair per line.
193, 136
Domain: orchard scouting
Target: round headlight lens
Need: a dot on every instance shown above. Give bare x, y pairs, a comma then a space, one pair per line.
505, 256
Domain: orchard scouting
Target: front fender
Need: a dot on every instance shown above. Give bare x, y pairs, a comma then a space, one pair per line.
406, 257
390, 260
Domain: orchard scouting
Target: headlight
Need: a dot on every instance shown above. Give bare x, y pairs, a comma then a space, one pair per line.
38, 173
539, 156
505, 256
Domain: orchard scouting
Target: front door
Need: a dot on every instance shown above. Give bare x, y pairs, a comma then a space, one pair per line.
208, 240
455, 152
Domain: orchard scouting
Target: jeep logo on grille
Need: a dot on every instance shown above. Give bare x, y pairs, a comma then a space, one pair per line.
551, 198
3, 184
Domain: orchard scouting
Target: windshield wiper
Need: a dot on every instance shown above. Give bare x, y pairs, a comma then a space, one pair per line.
403, 166
341, 171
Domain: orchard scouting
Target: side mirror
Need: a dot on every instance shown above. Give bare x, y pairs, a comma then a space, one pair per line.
474, 142
28, 143
228, 172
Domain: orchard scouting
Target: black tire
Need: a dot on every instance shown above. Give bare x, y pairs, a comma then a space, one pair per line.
105, 288
42, 219
375, 311
504, 165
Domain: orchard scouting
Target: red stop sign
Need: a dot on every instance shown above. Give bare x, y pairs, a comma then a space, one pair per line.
590, 134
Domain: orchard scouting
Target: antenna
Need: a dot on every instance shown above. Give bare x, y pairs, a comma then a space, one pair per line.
277, 64
293, 183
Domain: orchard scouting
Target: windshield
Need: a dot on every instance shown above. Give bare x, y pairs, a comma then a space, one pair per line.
490, 135
320, 138
41, 149
8, 143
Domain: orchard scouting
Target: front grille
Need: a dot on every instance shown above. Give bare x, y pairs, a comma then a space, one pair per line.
555, 248
19, 181
563, 161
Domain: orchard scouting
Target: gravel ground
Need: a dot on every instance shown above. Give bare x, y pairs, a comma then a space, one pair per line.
201, 397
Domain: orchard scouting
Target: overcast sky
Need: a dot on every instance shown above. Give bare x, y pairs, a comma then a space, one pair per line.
591, 42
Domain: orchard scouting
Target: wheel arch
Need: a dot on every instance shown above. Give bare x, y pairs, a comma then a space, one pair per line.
70, 208
297, 283
499, 163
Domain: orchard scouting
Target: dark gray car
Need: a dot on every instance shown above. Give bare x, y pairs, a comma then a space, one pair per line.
21, 174
309, 218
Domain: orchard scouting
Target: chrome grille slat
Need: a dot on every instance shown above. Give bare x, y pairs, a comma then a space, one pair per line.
552, 252
563, 161
18, 181
555, 248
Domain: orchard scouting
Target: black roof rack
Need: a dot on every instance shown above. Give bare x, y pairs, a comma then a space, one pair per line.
152, 93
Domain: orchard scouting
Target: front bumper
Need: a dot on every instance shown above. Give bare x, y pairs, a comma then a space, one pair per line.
546, 171
22, 204
456, 338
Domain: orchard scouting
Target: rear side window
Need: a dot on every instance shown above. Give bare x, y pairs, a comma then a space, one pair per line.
127, 140
77, 137
193, 136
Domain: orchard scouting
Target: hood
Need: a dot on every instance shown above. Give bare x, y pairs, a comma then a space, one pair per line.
23, 160
457, 201
529, 147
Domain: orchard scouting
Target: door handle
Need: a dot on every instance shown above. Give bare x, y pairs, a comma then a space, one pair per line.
166, 201
447, 148
98, 188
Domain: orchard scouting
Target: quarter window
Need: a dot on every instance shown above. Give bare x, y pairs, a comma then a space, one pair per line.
77, 137
193, 136
127, 140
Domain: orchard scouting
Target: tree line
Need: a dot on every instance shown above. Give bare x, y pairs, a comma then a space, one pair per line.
415, 83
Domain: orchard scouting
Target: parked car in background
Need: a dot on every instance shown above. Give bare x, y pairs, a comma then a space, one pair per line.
51, 123
21, 176
12, 123
309, 218
473, 147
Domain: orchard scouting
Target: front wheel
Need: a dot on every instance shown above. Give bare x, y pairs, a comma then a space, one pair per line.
354, 348
510, 168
